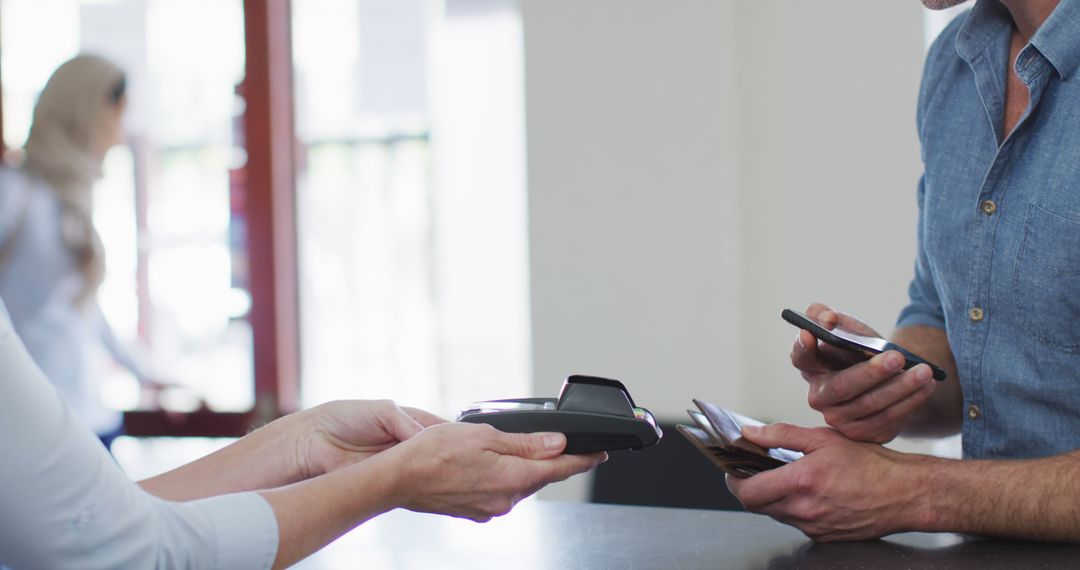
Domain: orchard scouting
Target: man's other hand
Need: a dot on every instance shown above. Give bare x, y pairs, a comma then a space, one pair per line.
840, 490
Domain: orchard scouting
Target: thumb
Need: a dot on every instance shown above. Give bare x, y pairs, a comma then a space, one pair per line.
400, 424
787, 436
850, 323
544, 445
425, 417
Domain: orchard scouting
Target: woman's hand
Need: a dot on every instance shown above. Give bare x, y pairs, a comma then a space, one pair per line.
477, 472
294, 448
457, 469
338, 434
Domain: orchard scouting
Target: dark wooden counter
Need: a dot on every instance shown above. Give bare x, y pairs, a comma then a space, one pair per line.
550, 535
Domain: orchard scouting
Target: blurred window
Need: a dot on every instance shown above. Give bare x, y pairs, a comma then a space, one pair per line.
411, 200
411, 204
163, 208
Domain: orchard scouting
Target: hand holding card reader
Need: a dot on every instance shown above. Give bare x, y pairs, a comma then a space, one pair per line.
595, 414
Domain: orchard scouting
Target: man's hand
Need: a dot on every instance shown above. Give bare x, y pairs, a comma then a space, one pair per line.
340, 433
476, 472
840, 490
867, 400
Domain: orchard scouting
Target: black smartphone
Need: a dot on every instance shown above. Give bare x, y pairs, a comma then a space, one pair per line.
867, 346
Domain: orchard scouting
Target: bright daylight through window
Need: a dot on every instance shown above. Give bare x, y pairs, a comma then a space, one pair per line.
413, 272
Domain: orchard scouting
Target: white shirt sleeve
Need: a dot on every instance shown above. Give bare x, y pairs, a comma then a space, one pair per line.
64, 503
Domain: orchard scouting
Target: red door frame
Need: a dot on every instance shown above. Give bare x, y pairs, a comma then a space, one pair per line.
269, 175
271, 203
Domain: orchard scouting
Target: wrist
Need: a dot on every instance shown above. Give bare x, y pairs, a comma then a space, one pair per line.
391, 477
300, 434
288, 438
406, 475
926, 477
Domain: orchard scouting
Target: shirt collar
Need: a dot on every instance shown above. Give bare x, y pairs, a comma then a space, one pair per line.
986, 22
1058, 39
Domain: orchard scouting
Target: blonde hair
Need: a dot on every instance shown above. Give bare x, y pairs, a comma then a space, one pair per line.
63, 148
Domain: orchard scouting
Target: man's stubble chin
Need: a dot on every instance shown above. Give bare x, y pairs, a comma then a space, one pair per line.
941, 4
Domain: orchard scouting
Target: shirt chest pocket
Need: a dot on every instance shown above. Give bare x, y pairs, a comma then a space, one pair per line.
1046, 279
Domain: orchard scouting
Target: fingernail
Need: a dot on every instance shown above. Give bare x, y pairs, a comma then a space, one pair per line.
891, 361
751, 430
923, 373
553, 440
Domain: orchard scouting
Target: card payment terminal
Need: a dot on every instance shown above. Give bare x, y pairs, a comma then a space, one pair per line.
595, 414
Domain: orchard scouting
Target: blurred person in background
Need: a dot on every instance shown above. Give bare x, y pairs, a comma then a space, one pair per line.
51, 256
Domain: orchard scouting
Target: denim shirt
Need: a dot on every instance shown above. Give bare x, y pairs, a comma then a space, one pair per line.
998, 263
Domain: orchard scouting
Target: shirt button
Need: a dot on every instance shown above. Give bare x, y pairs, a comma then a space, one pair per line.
989, 207
973, 412
976, 314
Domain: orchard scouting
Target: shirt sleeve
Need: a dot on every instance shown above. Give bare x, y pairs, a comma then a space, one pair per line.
66, 504
924, 305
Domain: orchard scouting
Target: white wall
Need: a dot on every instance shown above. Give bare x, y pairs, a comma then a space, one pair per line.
631, 144
831, 164
694, 167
